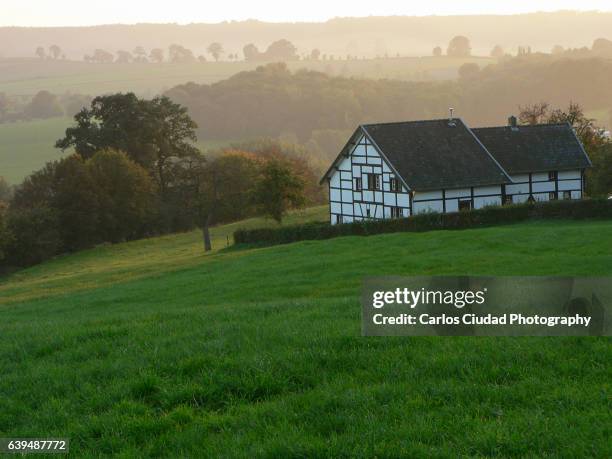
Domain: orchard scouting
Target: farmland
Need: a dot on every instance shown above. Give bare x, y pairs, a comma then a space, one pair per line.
152, 348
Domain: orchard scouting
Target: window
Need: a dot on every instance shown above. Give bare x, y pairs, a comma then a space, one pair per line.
465, 204
373, 182
368, 213
567, 195
396, 212
507, 200
338, 218
552, 176
358, 184
394, 184
552, 195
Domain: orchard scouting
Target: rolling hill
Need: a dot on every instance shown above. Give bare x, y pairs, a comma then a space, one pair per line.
151, 348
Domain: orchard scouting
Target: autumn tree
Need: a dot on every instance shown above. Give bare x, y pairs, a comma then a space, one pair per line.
437, 51
278, 190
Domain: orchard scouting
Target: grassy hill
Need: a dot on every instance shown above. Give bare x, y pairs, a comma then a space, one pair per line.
28, 76
152, 348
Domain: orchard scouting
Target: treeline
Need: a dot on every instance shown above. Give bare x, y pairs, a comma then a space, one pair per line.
305, 102
279, 50
40, 106
135, 174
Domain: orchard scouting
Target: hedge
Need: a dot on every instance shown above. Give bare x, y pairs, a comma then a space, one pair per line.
488, 216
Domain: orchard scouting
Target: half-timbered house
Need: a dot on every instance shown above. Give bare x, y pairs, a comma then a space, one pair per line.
394, 170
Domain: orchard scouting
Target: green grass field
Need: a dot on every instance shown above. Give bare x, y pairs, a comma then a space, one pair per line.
28, 76
151, 348
26, 146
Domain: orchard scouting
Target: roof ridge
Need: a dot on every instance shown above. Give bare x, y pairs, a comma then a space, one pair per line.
524, 126
411, 122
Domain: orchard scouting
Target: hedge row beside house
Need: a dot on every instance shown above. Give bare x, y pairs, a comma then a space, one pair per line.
488, 216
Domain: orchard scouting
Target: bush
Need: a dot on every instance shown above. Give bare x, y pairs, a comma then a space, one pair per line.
34, 234
488, 216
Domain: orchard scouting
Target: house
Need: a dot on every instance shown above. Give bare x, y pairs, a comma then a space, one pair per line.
394, 170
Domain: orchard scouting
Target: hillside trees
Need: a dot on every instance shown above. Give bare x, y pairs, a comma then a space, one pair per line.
148, 131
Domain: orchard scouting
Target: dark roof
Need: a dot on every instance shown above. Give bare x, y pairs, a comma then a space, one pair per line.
539, 148
431, 155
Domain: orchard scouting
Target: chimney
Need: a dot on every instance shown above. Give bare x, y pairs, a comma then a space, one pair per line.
451, 120
512, 121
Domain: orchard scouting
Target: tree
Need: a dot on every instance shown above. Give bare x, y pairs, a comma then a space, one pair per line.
437, 51
40, 52
282, 50
102, 57
533, 114
178, 54
34, 236
157, 55
148, 131
278, 190
602, 47
251, 53
6, 192
557, 50
599, 177
140, 55
44, 105
497, 51
215, 49
315, 54
123, 57
459, 46
124, 196
55, 51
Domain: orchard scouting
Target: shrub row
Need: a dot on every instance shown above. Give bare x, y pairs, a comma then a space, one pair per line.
488, 216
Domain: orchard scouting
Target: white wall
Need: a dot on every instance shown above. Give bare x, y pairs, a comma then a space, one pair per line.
354, 205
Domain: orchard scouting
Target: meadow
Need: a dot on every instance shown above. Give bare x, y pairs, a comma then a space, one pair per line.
153, 348
26, 146
28, 76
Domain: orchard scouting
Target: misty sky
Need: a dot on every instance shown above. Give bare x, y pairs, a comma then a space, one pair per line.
80, 12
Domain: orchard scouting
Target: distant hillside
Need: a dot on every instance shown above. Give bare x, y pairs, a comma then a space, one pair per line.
356, 36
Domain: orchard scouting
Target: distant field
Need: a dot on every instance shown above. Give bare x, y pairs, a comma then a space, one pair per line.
155, 349
28, 76
27, 146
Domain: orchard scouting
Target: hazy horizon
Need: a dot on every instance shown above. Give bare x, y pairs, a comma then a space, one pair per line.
70, 13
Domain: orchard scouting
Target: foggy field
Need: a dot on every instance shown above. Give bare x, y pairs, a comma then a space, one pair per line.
26, 146
28, 76
152, 348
